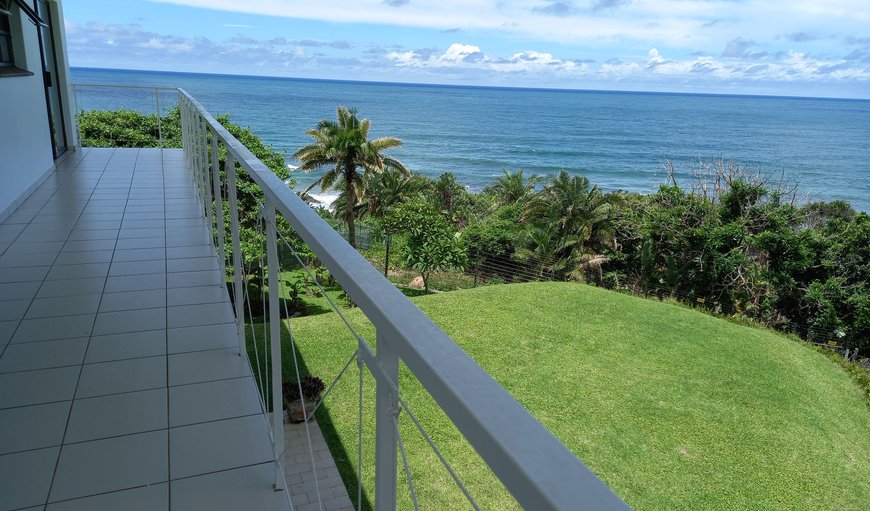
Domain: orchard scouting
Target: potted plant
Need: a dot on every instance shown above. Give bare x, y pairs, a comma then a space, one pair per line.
312, 387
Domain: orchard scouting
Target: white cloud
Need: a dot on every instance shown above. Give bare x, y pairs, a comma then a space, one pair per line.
702, 24
460, 56
114, 45
747, 62
650, 68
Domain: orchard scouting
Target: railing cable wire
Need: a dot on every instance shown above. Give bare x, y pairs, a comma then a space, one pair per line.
261, 221
302, 402
435, 449
359, 364
405, 462
247, 297
403, 404
322, 290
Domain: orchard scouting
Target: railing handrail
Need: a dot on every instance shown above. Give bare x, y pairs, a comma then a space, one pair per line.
536, 468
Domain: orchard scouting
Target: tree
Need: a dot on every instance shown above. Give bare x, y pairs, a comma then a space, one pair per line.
383, 191
512, 188
492, 242
569, 221
432, 244
344, 144
452, 200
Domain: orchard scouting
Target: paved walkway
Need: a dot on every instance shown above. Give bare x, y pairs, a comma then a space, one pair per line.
121, 386
300, 476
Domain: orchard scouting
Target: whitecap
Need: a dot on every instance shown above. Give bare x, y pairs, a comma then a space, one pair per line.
324, 198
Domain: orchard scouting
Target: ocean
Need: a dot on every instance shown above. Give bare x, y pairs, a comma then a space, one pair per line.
619, 140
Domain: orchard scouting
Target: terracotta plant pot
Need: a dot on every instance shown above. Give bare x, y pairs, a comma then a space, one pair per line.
294, 409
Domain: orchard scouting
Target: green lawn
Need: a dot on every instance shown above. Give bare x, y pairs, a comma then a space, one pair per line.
672, 408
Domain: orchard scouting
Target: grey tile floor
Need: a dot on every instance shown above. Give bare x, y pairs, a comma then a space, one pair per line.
121, 386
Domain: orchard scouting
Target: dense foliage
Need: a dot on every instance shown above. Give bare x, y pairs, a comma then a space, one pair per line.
734, 245
129, 128
747, 252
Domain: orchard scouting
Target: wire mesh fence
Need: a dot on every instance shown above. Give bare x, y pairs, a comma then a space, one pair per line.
488, 268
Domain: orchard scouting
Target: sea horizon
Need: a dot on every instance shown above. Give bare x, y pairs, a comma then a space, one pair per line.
475, 86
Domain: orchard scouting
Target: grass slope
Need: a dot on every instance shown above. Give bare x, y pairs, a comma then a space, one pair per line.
672, 408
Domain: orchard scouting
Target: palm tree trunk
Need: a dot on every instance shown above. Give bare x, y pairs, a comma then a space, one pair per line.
348, 211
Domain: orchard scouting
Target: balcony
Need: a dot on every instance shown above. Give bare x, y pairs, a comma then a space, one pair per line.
120, 378
125, 376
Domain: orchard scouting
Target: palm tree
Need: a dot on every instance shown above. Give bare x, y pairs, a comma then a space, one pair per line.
580, 214
344, 144
383, 191
512, 188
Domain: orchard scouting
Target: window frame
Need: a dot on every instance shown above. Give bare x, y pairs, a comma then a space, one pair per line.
16, 65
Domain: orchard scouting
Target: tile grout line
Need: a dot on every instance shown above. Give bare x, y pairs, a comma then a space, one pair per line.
166, 337
87, 347
180, 385
156, 483
29, 222
102, 189
41, 283
59, 186
124, 435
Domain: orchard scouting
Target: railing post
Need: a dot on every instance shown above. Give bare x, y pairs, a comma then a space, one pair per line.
206, 181
275, 341
77, 108
238, 291
194, 145
185, 141
188, 133
386, 441
159, 120
202, 136
218, 204
197, 164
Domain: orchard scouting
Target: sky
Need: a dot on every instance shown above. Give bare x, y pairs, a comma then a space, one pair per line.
774, 47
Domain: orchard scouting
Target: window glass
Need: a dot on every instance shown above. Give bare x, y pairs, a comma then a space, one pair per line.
6, 58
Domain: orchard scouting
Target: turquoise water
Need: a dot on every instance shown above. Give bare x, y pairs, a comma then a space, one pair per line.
619, 140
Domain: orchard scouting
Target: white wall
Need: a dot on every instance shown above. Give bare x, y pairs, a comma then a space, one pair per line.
25, 141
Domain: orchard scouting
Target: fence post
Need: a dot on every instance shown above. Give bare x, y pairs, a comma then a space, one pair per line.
275, 341
386, 440
388, 240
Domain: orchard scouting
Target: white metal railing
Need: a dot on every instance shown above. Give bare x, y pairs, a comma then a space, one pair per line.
146, 99
533, 465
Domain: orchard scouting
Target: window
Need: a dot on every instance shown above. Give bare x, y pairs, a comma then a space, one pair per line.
11, 51
6, 57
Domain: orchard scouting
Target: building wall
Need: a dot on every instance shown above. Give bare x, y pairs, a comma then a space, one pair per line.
25, 141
